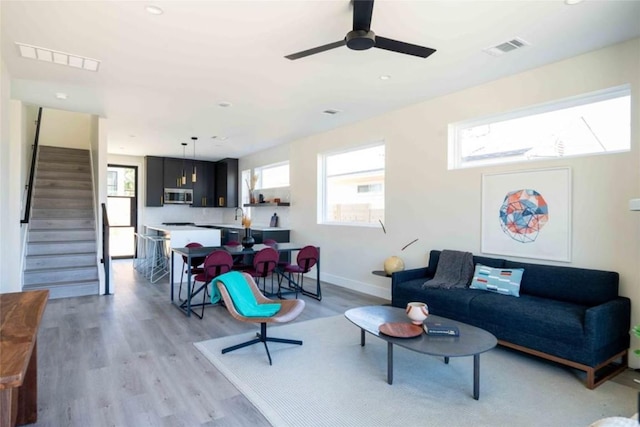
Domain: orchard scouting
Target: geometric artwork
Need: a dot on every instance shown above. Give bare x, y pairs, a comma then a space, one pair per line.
527, 214
523, 214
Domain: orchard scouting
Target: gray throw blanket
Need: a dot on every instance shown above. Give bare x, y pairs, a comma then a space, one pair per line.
454, 270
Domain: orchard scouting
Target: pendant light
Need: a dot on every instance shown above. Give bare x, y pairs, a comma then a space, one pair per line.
193, 174
183, 179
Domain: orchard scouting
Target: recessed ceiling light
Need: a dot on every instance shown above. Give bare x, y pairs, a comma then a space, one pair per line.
224, 104
385, 77
154, 10
572, 2
57, 57
61, 95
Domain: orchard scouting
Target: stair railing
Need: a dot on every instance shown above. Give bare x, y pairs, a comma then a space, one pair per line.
32, 171
106, 256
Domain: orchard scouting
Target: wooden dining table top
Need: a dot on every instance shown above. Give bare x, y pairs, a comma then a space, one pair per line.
20, 316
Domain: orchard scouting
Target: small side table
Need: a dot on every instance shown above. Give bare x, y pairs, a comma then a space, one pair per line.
380, 273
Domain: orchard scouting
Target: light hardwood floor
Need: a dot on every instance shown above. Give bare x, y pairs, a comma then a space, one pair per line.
128, 359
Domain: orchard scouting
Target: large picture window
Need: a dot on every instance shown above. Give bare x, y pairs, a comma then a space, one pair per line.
352, 186
594, 123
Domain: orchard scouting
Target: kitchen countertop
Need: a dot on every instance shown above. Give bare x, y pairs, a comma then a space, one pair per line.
238, 226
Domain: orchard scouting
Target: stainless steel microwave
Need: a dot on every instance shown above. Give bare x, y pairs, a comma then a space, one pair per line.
178, 196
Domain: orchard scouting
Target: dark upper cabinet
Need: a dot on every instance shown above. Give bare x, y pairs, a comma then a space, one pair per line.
173, 172
227, 180
154, 175
204, 193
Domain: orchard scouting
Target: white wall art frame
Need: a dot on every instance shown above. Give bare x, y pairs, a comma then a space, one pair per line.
527, 214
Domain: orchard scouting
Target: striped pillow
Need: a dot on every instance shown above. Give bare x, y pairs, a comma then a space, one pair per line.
504, 281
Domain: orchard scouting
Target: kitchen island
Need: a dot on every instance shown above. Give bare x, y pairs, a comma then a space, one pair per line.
181, 235
235, 232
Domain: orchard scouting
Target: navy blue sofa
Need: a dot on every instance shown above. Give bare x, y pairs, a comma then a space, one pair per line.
573, 316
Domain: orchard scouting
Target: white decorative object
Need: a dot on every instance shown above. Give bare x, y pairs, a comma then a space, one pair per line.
417, 312
393, 264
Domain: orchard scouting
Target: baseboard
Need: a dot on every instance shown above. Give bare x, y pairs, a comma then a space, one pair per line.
365, 288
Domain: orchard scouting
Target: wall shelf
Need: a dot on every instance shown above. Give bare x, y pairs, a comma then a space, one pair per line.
257, 205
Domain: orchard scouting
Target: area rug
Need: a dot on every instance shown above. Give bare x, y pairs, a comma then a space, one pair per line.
332, 381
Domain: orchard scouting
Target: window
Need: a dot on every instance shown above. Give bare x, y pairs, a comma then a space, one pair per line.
352, 186
273, 176
593, 123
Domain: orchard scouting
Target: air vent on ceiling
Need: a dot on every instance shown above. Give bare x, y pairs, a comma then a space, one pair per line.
506, 47
331, 112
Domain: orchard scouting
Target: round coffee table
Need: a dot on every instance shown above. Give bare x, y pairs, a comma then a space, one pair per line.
472, 341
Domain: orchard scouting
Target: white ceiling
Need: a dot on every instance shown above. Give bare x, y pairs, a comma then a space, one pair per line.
162, 77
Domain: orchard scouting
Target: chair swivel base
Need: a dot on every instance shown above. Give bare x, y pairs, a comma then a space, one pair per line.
263, 338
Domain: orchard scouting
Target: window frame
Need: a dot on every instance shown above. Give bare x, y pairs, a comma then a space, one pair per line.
322, 211
454, 155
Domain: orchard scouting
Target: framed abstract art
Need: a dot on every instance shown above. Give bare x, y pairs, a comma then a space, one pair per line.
527, 214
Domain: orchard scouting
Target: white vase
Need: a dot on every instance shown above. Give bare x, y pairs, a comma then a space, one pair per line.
417, 312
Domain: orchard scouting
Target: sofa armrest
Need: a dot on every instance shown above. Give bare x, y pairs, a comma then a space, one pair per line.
406, 275
608, 322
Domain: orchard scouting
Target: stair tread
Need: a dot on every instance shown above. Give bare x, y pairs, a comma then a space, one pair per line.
65, 283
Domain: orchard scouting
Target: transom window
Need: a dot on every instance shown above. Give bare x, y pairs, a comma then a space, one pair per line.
273, 176
594, 123
352, 186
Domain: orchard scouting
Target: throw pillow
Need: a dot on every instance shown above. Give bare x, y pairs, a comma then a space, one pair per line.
504, 281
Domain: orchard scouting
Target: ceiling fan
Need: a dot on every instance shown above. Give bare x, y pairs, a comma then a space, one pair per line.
362, 38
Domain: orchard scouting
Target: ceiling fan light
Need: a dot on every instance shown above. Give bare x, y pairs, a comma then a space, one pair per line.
361, 40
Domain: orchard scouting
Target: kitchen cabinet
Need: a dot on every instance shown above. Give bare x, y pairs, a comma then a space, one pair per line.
173, 172
226, 183
280, 236
204, 193
154, 176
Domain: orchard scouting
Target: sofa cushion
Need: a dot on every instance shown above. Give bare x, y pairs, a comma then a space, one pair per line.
453, 303
505, 281
570, 284
533, 316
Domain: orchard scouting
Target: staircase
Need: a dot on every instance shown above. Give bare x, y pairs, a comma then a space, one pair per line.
61, 240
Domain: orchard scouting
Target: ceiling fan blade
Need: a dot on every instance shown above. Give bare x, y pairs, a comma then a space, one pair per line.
402, 47
315, 50
362, 12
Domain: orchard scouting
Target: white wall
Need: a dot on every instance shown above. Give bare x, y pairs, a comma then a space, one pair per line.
441, 208
97, 138
11, 136
66, 129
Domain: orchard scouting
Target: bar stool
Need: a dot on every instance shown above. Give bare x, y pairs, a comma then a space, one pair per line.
159, 257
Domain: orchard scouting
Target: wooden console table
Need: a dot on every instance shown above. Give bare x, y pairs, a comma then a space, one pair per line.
20, 315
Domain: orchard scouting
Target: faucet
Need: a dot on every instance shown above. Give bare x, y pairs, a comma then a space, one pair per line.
241, 213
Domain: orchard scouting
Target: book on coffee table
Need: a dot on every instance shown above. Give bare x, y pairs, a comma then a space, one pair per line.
441, 329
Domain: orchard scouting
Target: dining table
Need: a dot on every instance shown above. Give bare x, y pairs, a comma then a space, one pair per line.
189, 253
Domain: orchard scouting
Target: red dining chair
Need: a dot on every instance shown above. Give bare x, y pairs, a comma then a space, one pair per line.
306, 259
216, 263
264, 264
195, 268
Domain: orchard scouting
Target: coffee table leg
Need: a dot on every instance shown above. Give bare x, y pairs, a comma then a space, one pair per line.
362, 337
389, 363
476, 376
